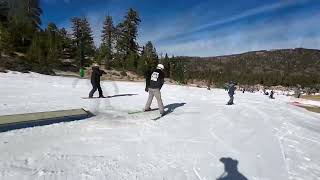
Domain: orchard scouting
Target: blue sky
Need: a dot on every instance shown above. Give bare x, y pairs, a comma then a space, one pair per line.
202, 27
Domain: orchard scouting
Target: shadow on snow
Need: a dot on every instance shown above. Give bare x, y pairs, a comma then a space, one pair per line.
230, 170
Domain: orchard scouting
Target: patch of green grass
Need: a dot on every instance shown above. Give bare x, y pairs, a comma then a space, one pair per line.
312, 97
312, 108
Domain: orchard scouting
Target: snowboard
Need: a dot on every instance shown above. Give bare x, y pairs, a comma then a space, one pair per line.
94, 97
142, 111
152, 110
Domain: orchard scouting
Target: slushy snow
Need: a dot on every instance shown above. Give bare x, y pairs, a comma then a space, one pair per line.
270, 139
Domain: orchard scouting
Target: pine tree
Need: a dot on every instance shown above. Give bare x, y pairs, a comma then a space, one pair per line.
66, 44
26, 12
83, 41
6, 41
54, 44
88, 38
149, 58
132, 61
20, 20
131, 23
166, 62
126, 37
179, 70
38, 54
142, 63
4, 10
108, 37
121, 46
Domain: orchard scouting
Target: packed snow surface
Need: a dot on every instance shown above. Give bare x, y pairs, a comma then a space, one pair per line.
270, 139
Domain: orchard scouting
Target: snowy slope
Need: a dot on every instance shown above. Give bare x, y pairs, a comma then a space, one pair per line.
271, 139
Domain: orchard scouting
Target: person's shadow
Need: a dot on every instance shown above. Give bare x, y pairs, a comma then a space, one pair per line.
171, 107
230, 170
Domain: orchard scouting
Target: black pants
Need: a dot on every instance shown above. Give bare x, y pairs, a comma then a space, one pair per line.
230, 102
96, 86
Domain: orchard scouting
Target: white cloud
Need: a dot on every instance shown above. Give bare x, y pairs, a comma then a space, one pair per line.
229, 41
188, 22
283, 33
251, 12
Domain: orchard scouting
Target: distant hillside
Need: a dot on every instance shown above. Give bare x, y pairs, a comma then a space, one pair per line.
287, 67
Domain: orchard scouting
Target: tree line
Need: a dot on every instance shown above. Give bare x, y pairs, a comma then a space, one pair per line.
45, 49
286, 67
49, 48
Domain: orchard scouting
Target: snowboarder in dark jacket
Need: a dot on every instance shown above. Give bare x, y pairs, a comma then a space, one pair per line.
95, 81
154, 83
231, 89
271, 95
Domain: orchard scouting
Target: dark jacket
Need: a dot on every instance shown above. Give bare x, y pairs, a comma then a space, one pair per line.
147, 76
271, 94
95, 76
231, 90
155, 80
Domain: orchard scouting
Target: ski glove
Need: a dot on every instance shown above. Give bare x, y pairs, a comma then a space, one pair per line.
146, 89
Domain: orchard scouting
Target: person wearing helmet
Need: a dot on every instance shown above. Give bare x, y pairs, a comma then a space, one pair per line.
95, 81
231, 90
154, 83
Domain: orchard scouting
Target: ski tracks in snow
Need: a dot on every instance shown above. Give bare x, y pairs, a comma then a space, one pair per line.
269, 138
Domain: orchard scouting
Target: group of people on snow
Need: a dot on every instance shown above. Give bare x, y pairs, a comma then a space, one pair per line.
154, 83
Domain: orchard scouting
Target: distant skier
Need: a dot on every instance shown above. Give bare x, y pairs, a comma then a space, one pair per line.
226, 86
95, 81
265, 92
231, 89
271, 95
297, 93
154, 83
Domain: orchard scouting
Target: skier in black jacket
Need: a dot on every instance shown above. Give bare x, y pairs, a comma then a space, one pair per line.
95, 81
232, 88
154, 83
271, 94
